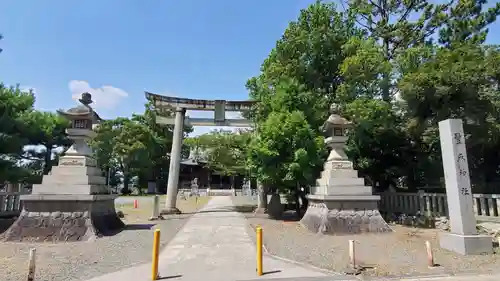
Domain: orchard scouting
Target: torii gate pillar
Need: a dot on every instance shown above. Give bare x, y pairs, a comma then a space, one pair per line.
175, 163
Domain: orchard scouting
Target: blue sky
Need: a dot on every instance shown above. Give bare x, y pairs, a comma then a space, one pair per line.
117, 49
187, 48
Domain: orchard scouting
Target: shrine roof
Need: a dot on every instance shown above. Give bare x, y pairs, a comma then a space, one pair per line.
197, 104
192, 162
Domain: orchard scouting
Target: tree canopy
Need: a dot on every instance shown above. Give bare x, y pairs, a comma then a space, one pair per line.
22, 126
135, 147
395, 69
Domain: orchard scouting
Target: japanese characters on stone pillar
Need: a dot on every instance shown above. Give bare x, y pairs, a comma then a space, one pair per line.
456, 173
463, 237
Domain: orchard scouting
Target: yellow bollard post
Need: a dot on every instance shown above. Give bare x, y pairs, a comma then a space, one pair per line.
430, 256
352, 253
156, 252
31, 265
259, 251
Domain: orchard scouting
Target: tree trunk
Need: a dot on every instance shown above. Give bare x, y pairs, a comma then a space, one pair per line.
232, 185
305, 201
47, 167
157, 184
386, 83
297, 203
126, 181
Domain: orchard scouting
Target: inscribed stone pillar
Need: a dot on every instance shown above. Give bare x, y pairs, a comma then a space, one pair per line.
175, 162
463, 237
261, 198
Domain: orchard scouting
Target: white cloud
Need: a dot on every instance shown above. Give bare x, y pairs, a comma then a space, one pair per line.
105, 97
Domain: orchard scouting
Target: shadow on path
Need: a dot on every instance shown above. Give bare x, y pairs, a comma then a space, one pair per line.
127, 227
271, 272
138, 226
169, 277
5, 223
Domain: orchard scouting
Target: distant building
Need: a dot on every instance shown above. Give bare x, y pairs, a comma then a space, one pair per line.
195, 166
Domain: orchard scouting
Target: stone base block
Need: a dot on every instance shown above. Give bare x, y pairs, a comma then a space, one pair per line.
170, 211
344, 215
57, 218
466, 244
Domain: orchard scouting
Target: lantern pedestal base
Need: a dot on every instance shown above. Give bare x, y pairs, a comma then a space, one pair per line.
62, 218
346, 214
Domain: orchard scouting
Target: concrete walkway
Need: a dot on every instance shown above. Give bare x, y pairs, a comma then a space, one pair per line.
214, 245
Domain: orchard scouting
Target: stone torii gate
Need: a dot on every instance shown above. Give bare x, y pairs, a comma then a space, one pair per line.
180, 105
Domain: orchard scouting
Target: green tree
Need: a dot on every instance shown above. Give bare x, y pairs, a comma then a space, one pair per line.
159, 148
47, 129
123, 142
398, 25
21, 127
15, 107
459, 82
135, 147
298, 80
468, 22
374, 66
389, 24
286, 153
309, 53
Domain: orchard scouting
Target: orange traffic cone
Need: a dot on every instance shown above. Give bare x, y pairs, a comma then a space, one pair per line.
136, 204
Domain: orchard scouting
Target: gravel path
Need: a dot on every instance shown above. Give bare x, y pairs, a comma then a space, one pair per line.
401, 253
84, 260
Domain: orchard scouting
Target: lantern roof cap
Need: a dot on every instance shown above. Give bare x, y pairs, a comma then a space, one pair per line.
83, 110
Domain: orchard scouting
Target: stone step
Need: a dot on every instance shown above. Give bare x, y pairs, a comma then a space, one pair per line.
77, 161
343, 190
349, 190
75, 170
74, 180
342, 181
68, 188
340, 173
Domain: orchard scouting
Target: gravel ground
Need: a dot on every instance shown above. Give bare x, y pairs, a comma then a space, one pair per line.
84, 260
401, 253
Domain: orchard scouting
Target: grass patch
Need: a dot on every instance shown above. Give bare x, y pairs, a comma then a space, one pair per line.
145, 207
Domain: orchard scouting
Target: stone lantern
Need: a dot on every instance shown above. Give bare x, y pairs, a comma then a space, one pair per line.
72, 203
82, 118
336, 127
340, 203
